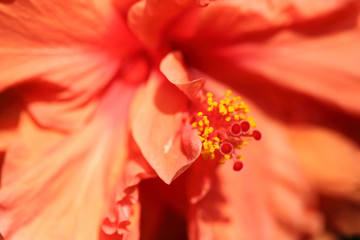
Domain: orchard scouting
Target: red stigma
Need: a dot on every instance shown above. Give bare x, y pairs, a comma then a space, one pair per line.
257, 135
226, 148
245, 126
235, 129
238, 166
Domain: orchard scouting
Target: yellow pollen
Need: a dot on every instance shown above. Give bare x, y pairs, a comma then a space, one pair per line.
231, 109
200, 114
251, 120
228, 119
227, 101
216, 139
206, 121
222, 109
228, 93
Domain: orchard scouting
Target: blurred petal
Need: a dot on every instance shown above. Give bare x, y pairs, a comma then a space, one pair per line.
159, 118
331, 162
250, 17
316, 57
323, 67
149, 19
62, 52
321, 149
57, 188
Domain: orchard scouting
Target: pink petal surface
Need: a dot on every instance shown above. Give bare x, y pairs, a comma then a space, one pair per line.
159, 118
57, 188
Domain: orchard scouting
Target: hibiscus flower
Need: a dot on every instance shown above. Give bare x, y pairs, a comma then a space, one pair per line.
98, 96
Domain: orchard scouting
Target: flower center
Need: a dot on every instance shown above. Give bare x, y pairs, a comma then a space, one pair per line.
224, 128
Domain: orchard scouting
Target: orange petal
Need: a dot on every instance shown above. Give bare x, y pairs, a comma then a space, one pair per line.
56, 185
158, 125
173, 68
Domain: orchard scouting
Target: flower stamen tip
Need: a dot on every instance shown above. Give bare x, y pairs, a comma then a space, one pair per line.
224, 128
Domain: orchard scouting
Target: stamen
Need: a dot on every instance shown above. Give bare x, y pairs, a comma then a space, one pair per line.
224, 128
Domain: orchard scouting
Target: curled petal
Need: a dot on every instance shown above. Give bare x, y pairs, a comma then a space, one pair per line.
122, 220
159, 119
173, 68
